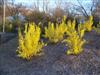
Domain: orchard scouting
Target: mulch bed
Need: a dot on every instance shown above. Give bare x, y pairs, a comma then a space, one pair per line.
54, 61
5, 37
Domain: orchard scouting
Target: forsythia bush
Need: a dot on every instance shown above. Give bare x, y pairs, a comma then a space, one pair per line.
97, 29
88, 24
29, 44
75, 38
55, 33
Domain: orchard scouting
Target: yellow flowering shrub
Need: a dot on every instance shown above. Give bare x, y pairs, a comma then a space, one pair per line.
97, 29
75, 38
29, 43
56, 32
88, 24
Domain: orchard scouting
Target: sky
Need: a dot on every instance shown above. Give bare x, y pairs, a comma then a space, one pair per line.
52, 2
30, 3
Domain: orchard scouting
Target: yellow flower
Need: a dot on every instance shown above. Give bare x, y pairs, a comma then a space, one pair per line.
74, 40
55, 33
88, 24
29, 44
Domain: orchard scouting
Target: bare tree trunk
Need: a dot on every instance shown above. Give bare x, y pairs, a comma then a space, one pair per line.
3, 15
43, 6
47, 5
38, 5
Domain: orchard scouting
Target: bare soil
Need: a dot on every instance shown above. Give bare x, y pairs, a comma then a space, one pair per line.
54, 61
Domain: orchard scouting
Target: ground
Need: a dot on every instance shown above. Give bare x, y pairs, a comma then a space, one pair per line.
54, 61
